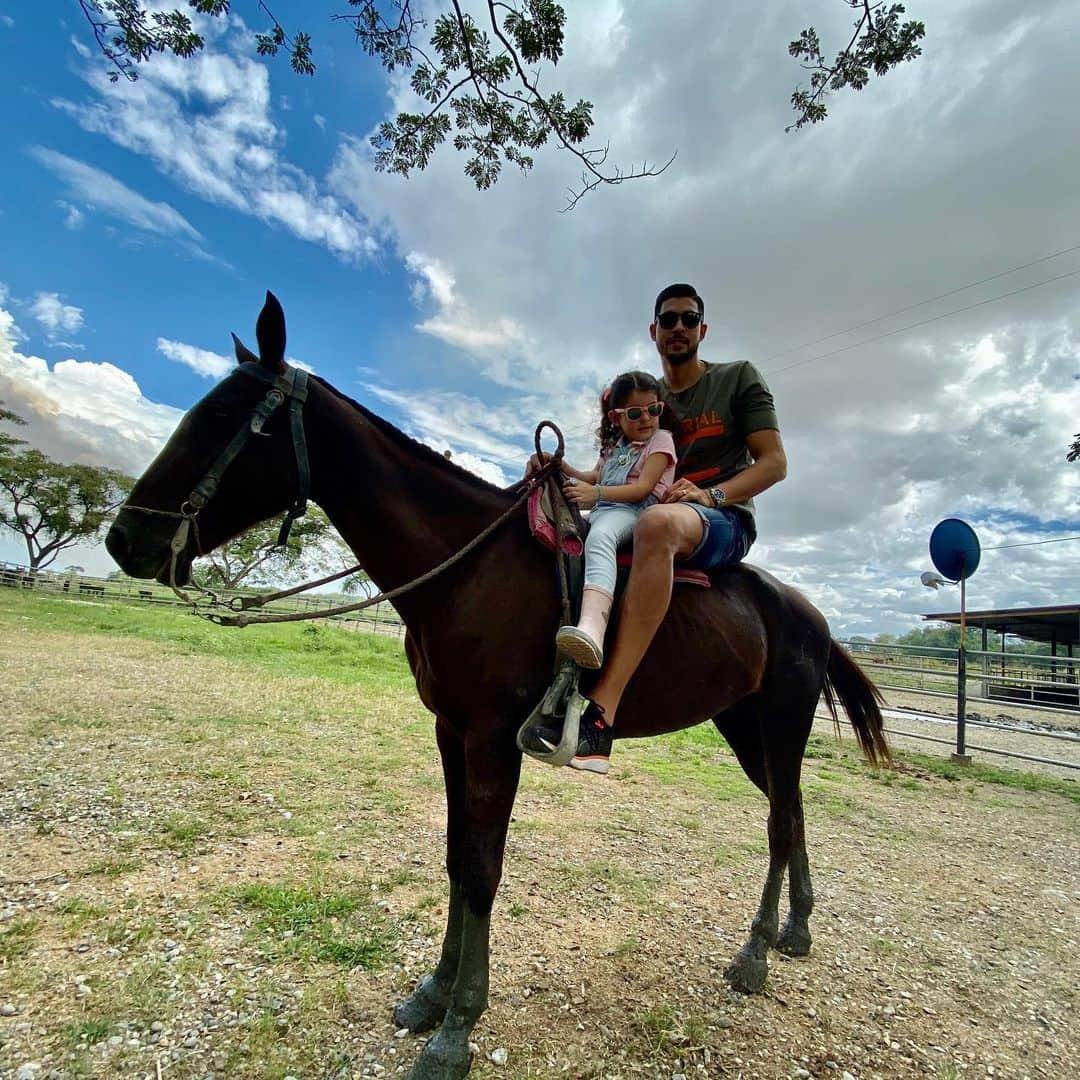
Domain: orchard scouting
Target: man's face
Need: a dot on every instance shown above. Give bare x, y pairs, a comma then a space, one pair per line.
679, 343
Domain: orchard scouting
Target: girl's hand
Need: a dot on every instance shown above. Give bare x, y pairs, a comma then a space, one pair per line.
583, 495
536, 463
684, 491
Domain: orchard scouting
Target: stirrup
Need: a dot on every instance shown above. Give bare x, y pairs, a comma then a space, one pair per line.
561, 704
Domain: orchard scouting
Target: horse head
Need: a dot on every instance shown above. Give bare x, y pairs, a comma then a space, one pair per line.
237, 458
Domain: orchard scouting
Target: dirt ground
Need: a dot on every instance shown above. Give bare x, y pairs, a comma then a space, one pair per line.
203, 878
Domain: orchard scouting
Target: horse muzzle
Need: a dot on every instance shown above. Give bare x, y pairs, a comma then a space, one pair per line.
143, 552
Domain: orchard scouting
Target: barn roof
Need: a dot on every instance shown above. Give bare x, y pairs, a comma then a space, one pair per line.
1060, 623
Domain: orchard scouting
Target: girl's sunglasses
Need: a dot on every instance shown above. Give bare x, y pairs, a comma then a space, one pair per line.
668, 319
636, 412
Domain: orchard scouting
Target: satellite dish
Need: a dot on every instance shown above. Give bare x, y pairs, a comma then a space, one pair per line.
954, 549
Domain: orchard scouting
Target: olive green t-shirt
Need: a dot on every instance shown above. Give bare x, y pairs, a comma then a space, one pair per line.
714, 417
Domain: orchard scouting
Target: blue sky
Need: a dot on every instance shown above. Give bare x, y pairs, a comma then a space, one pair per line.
141, 223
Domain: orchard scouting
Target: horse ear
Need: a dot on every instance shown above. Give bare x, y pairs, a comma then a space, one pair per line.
243, 354
270, 332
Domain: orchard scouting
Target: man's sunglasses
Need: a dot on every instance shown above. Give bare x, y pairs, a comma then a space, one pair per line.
669, 319
636, 412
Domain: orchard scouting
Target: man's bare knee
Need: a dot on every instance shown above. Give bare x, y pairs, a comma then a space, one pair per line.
667, 530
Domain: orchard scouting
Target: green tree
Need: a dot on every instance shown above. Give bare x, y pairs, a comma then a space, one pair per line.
482, 82
880, 43
8, 441
54, 506
314, 549
1074, 450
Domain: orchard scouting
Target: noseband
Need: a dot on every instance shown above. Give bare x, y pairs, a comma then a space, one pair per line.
290, 385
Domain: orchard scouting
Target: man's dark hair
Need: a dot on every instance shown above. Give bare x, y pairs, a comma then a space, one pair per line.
681, 289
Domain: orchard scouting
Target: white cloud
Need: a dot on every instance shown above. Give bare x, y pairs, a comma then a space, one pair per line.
490, 337
56, 316
489, 441
210, 365
103, 192
74, 218
82, 411
207, 123
320, 121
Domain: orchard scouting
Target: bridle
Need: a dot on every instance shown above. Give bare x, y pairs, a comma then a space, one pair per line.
292, 385
289, 385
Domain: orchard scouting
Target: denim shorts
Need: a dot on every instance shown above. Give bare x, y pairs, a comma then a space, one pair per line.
726, 539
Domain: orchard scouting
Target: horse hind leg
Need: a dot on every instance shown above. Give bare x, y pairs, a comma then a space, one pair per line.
795, 939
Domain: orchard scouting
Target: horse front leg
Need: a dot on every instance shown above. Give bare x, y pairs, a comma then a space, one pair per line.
493, 767
426, 1006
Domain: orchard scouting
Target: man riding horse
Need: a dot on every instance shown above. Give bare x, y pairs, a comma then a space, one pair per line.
729, 451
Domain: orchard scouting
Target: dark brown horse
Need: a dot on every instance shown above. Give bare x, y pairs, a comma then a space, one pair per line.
752, 655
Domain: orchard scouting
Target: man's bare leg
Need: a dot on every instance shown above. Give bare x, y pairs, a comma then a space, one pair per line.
664, 532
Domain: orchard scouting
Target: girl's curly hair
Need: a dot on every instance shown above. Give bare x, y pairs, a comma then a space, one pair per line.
617, 394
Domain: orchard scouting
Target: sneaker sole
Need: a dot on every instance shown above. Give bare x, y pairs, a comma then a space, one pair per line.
570, 641
590, 764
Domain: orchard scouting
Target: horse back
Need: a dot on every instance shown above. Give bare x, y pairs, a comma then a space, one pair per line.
748, 634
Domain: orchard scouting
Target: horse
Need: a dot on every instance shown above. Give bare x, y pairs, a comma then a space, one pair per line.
752, 655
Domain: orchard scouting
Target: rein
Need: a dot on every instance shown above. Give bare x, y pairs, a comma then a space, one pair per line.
293, 386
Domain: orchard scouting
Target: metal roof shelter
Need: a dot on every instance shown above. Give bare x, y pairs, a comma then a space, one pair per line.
1058, 625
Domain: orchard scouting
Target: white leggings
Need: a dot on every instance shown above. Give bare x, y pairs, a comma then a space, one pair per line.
609, 527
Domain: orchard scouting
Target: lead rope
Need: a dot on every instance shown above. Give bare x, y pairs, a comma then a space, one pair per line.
546, 473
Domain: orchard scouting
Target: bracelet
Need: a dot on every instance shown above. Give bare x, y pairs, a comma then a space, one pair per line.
599, 494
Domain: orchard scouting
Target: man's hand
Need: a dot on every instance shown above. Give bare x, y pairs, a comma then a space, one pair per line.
684, 491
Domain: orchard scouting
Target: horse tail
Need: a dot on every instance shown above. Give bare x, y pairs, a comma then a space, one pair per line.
861, 699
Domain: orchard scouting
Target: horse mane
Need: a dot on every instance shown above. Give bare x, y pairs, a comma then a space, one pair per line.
422, 450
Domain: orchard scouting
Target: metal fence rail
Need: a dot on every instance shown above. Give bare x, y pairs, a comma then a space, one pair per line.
1043, 685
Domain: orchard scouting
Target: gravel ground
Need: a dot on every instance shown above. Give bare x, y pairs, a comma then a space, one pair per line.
194, 888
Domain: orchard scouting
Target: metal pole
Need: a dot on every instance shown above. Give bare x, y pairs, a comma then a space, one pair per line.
961, 674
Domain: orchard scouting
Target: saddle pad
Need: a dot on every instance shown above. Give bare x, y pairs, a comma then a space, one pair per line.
543, 529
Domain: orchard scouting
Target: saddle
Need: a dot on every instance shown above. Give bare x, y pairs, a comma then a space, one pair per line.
558, 526
548, 522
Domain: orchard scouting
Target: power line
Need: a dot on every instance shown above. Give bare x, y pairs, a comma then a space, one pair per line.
1033, 543
924, 322
922, 303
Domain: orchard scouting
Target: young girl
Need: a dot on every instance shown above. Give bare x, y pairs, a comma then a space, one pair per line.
636, 467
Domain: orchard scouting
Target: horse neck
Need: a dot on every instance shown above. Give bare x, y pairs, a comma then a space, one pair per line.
399, 507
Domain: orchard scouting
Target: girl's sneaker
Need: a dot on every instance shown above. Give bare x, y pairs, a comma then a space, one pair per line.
580, 647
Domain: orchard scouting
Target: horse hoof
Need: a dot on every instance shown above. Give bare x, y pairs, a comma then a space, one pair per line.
442, 1059
794, 940
422, 1010
747, 972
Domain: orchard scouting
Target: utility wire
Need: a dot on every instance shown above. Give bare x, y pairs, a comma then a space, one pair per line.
1033, 543
924, 322
921, 303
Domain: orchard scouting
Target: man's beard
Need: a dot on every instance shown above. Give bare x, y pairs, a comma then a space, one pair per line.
678, 359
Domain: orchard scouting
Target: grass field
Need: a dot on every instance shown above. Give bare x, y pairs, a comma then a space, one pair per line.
223, 857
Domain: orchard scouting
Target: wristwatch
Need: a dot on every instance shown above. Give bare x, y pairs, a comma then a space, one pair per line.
718, 497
